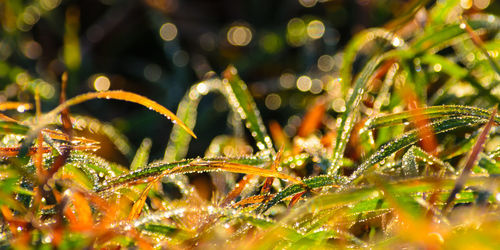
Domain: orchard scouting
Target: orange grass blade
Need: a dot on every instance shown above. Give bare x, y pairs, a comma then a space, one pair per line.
278, 135
252, 200
38, 157
65, 119
206, 166
124, 96
6, 118
296, 198
20, 106
139, 204
238, 168
312, 119
269, 180
425, 132
57, 135
83, 212
38, 105
237, 189
8, 216
14, 151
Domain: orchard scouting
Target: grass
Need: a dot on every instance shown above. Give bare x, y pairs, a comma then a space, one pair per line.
410, 161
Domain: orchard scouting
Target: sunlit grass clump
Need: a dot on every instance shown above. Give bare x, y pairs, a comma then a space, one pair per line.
401, 153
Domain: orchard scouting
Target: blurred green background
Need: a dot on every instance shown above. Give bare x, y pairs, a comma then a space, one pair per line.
287, 51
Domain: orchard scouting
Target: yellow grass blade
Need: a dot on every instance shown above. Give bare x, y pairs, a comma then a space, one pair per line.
20, 106
239, 168
124, 96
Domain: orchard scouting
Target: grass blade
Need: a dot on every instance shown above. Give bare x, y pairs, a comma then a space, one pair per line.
142, 155
9, 127
312, 119
237, 190
411, 138
430, 112
478, 147
19, 106
120, 95
355, 45
349, 115
240, 99
307, 184
187, 111
239, 165
445, 35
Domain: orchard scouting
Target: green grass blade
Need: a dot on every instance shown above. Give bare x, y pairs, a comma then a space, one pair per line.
453, 70
355, 45
429, 112
142, 155
308, 184
157, 168
240, 99
178, 143
409, 163
13, 128
491, 166
440, 37
349, 115
422, 155
412, 137
403, 188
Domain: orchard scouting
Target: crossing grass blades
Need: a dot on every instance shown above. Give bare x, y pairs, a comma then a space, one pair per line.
403, 166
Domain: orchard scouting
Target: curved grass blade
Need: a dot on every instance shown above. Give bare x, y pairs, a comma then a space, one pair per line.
157, 168
187, 111
307, 185
384, 93
348, 117
355, 45
124, 96
139, 203
444, 36
142, 155
408, 12
420, 154
241, 100
94, 167
430, 112
235, 168
411, 138
96, 163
